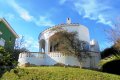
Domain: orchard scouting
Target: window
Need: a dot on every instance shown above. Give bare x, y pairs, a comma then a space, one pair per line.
0, 33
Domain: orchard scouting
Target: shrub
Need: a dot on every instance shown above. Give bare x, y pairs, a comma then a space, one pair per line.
59, 64
111, 64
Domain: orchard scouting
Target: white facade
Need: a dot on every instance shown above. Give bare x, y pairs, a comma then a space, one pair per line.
48, 56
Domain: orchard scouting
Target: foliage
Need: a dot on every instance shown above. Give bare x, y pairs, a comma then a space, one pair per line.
6, 57
59, 64
17, 51
19, 47
114, 35
56, 73
68, 43
109, 59
6, 60
109, 51
112, 67
9, 56
19, 43
64, 41
111, 64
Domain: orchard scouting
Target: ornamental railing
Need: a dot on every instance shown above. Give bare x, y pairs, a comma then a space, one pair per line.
52, 54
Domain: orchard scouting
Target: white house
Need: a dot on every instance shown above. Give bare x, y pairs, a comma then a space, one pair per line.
48, 55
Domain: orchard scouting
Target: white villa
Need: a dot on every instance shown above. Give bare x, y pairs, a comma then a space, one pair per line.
47, 54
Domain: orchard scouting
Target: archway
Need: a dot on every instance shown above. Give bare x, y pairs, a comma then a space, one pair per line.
42, 46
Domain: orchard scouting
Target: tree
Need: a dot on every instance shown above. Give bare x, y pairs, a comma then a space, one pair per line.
68, 43
111, 61
108, 52
19, 47
114, 36
6, 60
9, 57
19, 43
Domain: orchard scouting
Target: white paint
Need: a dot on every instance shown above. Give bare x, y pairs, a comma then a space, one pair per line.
68, 21
94, 46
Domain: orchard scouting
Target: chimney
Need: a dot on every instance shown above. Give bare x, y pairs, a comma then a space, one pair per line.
68, 21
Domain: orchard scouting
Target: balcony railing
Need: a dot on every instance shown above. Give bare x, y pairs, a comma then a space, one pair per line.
31, 54
51, 54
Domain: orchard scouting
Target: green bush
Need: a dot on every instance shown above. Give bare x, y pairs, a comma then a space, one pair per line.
6, 60
59, 64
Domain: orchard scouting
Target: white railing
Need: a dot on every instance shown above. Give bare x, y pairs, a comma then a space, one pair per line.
31, 54
51, 54
56, 54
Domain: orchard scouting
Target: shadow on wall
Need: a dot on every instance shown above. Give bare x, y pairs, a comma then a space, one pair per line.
49, 60
112, 67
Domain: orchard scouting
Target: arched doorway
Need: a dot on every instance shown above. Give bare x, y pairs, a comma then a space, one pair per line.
42, 46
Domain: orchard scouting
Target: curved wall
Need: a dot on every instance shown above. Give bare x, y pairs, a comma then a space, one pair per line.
83, 32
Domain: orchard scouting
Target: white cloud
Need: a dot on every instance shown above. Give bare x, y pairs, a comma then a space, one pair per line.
94, 10
44, 21
62, 1
24, 14
101, 19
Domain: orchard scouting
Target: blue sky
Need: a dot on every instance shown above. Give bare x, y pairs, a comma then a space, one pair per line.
30, 17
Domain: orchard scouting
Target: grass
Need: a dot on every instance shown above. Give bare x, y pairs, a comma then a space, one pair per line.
57, 73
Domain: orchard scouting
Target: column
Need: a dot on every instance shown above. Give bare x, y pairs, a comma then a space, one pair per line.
47, 46
40, 49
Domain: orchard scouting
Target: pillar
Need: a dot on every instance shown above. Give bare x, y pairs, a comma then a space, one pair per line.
47, 46
40, 49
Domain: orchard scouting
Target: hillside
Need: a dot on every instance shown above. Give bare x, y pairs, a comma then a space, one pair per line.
56, 73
